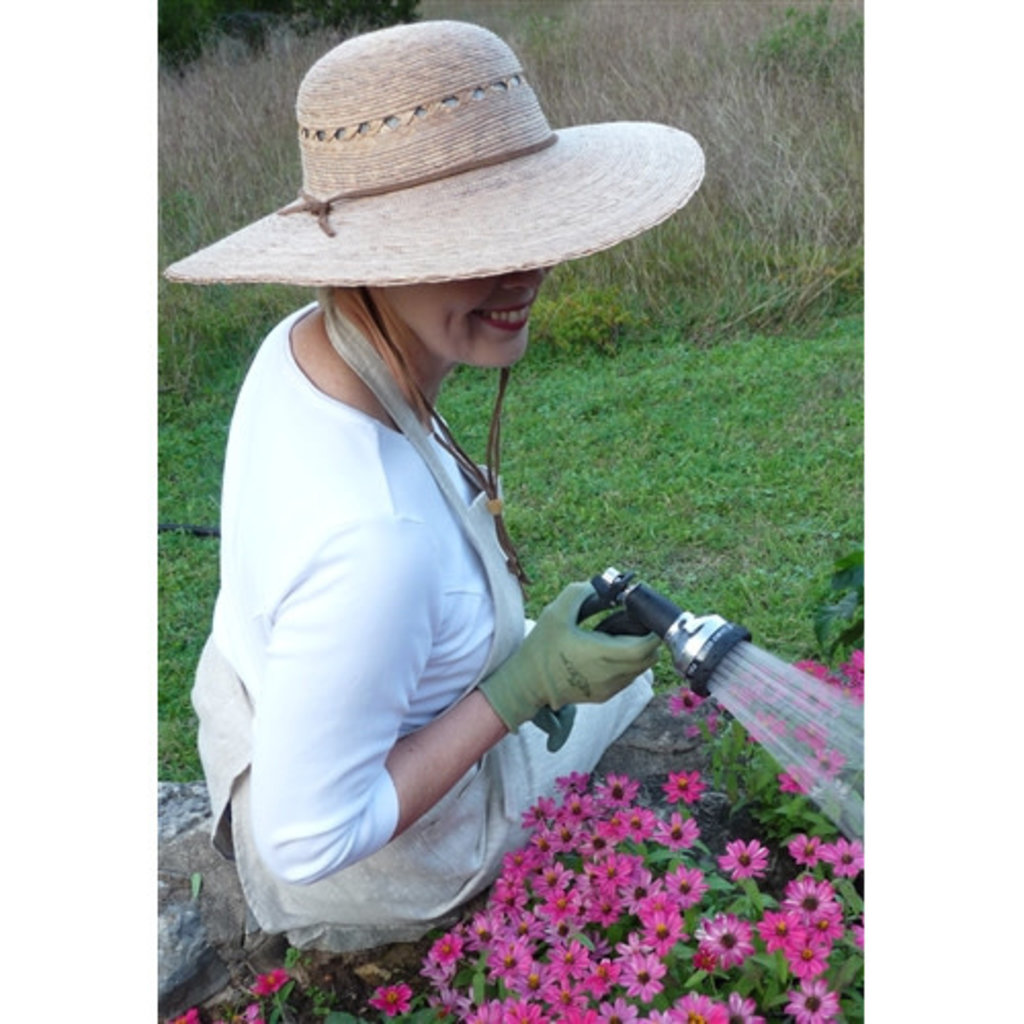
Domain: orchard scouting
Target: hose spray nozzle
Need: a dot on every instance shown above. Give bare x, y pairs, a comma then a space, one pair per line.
697, 643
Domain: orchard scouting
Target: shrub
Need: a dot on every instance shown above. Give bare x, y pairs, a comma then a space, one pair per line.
808, 44
185, 27
571, 321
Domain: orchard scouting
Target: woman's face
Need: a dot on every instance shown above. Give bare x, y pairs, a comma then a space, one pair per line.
481, 322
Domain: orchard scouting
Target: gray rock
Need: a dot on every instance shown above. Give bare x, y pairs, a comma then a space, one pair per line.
206, 938
180, 807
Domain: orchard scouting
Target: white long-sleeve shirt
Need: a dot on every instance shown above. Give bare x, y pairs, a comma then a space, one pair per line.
351, 605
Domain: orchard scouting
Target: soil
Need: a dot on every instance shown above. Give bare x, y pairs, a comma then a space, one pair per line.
333, 981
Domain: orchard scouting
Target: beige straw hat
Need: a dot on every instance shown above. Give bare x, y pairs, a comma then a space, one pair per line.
426, 157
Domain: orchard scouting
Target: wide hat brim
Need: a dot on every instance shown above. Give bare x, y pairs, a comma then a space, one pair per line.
596, 186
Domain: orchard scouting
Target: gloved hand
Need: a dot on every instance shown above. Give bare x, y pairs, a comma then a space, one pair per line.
560, 663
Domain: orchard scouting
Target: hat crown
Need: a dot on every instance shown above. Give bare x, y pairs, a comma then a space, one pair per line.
411, 104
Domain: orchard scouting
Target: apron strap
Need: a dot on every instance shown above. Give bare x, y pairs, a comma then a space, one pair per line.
476, 520
363, 358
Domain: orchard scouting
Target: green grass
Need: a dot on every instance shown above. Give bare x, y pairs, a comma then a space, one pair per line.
729, 477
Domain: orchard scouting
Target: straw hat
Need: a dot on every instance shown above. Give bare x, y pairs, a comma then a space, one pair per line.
426, 157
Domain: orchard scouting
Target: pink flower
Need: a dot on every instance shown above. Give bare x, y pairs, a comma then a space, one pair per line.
516, 1012
269, 983
594, 845
685, 786
743, 1011
640, 823
570, 960
702, 1008
492, 1012
641, 976
563, 835
829, 762
744, 860
392, 999
617, 790
687, 885
683, 701
787, 784
662, 929
705, 959
845, 857
532, 979
814, 668
578, 808
853, 676
482, 928
602, 905
540, 813
619, 1012
804, 849
561, 906
545, 840
641, 887
616, 827
602, 977
574, 782
561, 995
449, 1004
806, 895
617, 869
446, 950
575, 1015
813, 1003
807, 955
678, 833
253, 1014
633, 945
189, 1017
552, 878
509, 895
519, 863
728, 937
779, 928
509, 958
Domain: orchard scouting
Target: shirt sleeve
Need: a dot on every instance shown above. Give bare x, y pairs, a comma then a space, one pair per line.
347, 648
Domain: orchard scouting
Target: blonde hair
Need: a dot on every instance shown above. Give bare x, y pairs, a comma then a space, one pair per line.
391, 337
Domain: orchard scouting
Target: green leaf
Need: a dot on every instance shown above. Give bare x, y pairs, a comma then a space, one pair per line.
847, 971
197, 884
340, 1017
854, 904
479, 988
849, 571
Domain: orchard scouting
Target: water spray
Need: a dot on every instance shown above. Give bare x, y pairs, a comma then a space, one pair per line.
814, 730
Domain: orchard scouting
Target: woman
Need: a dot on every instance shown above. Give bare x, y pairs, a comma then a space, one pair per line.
368, 704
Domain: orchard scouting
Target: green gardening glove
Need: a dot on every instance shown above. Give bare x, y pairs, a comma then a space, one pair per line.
560, 663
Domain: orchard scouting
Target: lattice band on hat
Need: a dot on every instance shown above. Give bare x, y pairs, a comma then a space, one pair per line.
393, 122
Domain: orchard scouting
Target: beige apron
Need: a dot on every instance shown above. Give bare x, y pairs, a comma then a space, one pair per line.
455, 850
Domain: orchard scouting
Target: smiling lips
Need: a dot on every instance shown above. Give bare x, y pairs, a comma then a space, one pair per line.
506, 319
